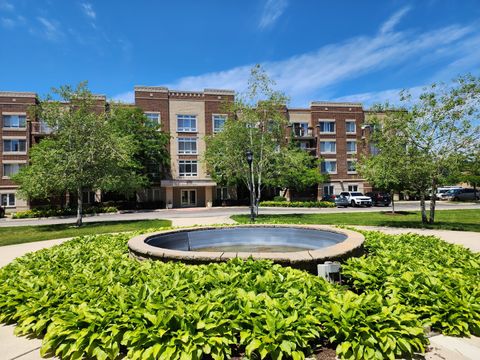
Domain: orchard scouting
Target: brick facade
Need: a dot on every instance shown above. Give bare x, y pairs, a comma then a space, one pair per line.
177, 190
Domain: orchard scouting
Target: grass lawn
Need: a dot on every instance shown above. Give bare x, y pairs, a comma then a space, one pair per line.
466, 220
23, 234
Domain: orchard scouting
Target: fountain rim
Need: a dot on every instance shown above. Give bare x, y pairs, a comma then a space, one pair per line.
139, 248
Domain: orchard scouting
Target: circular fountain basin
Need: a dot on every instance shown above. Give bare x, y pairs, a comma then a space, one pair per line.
297, 246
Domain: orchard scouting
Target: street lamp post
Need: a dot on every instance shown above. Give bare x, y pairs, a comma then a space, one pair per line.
249, 155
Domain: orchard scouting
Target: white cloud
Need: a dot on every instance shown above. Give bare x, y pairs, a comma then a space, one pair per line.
87, 9
7, 23
50, 29
391, 96
312, 76
7, 6
390, 24
272, 10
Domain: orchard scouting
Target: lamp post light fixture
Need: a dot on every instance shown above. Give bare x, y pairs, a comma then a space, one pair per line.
249, 155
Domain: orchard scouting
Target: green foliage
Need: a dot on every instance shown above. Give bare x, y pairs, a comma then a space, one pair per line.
88, 298
304, 204
53, 211
279, 198
437, 281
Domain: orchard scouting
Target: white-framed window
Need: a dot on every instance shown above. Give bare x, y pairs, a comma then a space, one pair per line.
351, 146
186, 123
222, 193
329, 166
153, 118
300, 129
11, 169
187, 145
187, 168
351, 166
353, 188
14, 145
7, 200
328, 147
327, 126
350, 127
328, 190
219, 122
14, 121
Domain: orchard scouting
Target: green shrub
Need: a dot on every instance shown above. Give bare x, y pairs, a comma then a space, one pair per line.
54, 211
279, 198
87, 297
304, 204
438, 281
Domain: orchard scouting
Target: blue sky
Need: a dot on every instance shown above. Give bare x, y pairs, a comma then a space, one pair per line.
315, 50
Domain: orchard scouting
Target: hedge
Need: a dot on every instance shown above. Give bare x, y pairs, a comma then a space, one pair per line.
301, 204
48, 212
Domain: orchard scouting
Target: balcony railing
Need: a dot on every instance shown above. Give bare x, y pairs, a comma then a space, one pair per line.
40, 127
302, 132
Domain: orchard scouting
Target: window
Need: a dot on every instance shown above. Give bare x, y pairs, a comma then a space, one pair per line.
351, 146
7, 200
373, 149
328, 146
187, 167
222, 193
14, 121
328, 190
300, 129
186, 123
14, 145
187, 145
350, 127
327, 127
11, 169
351, 166
219, 122
153, 118
352, 188
329, 166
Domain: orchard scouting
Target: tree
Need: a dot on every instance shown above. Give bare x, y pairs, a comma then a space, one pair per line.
435, 134
257, 123
470, 172
384, 170
295, 169
149, 143
84, 152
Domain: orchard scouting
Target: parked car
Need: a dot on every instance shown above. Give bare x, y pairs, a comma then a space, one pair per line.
341, 201
442, 191
462, 194
330, 198
379, 198
357, 198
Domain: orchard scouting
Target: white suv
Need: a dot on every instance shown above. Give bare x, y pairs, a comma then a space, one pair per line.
357, 198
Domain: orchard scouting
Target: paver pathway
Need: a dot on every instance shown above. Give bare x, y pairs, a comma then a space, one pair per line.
443, 347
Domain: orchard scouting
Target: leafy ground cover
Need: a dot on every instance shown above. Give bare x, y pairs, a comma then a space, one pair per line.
465, 220
88, 298
23, 234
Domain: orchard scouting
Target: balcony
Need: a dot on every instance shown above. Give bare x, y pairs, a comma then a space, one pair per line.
40, 128
302, 132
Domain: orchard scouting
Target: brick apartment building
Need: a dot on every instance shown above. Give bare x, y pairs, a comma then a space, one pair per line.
330, 130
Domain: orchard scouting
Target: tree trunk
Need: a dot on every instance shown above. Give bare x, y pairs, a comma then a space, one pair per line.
433, 200
79, 207
392, 195
422, 207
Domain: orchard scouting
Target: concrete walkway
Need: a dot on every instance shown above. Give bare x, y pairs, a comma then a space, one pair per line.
442, 347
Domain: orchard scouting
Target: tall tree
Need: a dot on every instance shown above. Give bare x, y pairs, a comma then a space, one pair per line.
257, 123
149, 142
84, 152
435, 133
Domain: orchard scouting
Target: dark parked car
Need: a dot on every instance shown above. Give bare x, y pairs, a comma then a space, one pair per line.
330, 198
380, 198
462, 194
341, 200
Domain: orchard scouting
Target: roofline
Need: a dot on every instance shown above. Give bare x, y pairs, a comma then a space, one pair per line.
18, 94
333, 103
150, 88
